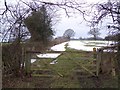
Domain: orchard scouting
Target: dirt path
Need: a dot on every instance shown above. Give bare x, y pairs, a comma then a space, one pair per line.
97, 82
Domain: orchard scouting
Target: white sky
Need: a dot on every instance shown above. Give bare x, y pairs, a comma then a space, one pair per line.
81, 29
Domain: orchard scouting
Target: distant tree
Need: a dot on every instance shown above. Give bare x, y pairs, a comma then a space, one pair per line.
80, 38
95, 32
112, 37
69, 33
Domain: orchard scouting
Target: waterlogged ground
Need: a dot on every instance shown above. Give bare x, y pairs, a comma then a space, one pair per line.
67, 72
85, 45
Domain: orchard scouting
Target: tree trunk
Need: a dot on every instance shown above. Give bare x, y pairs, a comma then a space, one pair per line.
94, 37
118, 61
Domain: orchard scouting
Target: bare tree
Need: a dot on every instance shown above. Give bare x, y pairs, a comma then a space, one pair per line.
13, 29
95, 32
12, 22
111, 9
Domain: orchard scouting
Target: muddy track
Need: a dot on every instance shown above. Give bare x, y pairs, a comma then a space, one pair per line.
96, 81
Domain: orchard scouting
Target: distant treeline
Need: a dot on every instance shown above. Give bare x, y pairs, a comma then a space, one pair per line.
112, 37
109, 37
90, 38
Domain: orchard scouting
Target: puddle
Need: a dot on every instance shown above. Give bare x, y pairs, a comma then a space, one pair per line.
33, 60
54, 62
59, 47
48, 55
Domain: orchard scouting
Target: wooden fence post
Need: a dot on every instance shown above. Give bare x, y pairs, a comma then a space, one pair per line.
1, 66
27, 63
113, 62
99, 59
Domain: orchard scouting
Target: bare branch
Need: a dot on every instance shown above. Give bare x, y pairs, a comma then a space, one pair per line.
6, 8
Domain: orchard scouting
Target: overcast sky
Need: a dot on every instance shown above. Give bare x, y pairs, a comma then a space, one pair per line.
76, 22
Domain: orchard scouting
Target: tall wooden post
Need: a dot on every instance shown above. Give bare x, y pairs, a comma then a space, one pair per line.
99, 59
0, 66
27, 63
118, 53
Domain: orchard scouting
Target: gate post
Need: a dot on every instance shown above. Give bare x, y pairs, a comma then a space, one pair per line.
99, 59
27, 63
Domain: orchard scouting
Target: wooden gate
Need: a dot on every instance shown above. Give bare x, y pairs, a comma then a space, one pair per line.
66, 53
